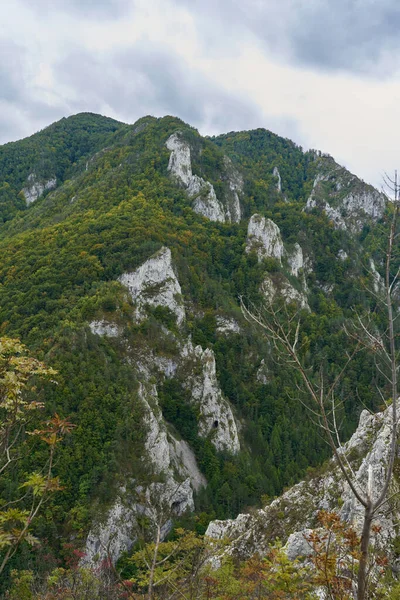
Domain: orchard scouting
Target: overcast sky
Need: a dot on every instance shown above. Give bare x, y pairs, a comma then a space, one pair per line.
324, 73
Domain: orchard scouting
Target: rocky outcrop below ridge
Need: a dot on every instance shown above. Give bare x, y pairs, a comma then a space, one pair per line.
264, 237
103, 327
276, 174
36, 188
205, 201
347, 201
176, 475
235, 184
154, 283
169, 461
296, 260
216, 416
294, 514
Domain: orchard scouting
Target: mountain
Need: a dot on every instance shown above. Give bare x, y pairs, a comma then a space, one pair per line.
124, 251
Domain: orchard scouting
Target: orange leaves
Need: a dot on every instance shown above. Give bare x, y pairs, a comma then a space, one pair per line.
55, 429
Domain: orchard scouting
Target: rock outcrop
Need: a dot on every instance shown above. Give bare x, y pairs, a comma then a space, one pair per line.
103, 327
276, 174
294, 514
36, 188
347, 201
227, 326
296, 260
264, 236
176, 475
205, 201
216, 416
277, 285
235, 183
170, 462
154, 283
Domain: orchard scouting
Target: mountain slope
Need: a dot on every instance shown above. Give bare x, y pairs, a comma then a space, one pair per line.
126, 279
41, 162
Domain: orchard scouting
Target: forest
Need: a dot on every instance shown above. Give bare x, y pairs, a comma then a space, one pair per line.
113, 207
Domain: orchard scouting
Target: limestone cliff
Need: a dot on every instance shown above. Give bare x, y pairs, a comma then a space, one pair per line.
35, 188
295, 512
202, 192
169, 460
264, 237
204, 198
154, 283
347, 201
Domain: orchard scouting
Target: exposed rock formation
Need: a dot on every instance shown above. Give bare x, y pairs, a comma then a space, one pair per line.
227, 326
205, 201
295, 512
173, 463
262, 373
154, 283
276, 174
264, 236
351, 201
278, 285
236, 184
216, 417
104, 328
296, 260
36, 188
377, 281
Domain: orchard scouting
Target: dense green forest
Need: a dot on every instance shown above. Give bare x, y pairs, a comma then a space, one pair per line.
114, 206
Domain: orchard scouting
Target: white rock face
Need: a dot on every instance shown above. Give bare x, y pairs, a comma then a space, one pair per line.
276, 174
216, 416
262, 373
104, 328
350, 209
296, 260
377, 281
332, 213
284, 288
112, 537
185, 462
367, 452
298, 544
36, 188
343, 255
236, 186
155, 283
227, 326
175, 464
264, 236
205, 202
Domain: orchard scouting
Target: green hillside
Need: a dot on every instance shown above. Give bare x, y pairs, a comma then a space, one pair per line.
114, 206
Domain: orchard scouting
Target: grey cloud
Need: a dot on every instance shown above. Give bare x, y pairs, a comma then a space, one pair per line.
21, 109
93, 8
351, 35
12, 59
148, 80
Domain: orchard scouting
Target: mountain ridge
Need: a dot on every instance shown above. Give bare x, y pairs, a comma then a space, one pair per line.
125, 281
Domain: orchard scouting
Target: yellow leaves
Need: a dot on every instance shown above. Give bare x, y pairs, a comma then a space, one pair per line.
39, 484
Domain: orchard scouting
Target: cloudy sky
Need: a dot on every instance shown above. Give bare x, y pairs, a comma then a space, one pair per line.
324, 73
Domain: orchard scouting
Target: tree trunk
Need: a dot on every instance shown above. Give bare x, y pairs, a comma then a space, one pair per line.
154, 563
363, 565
